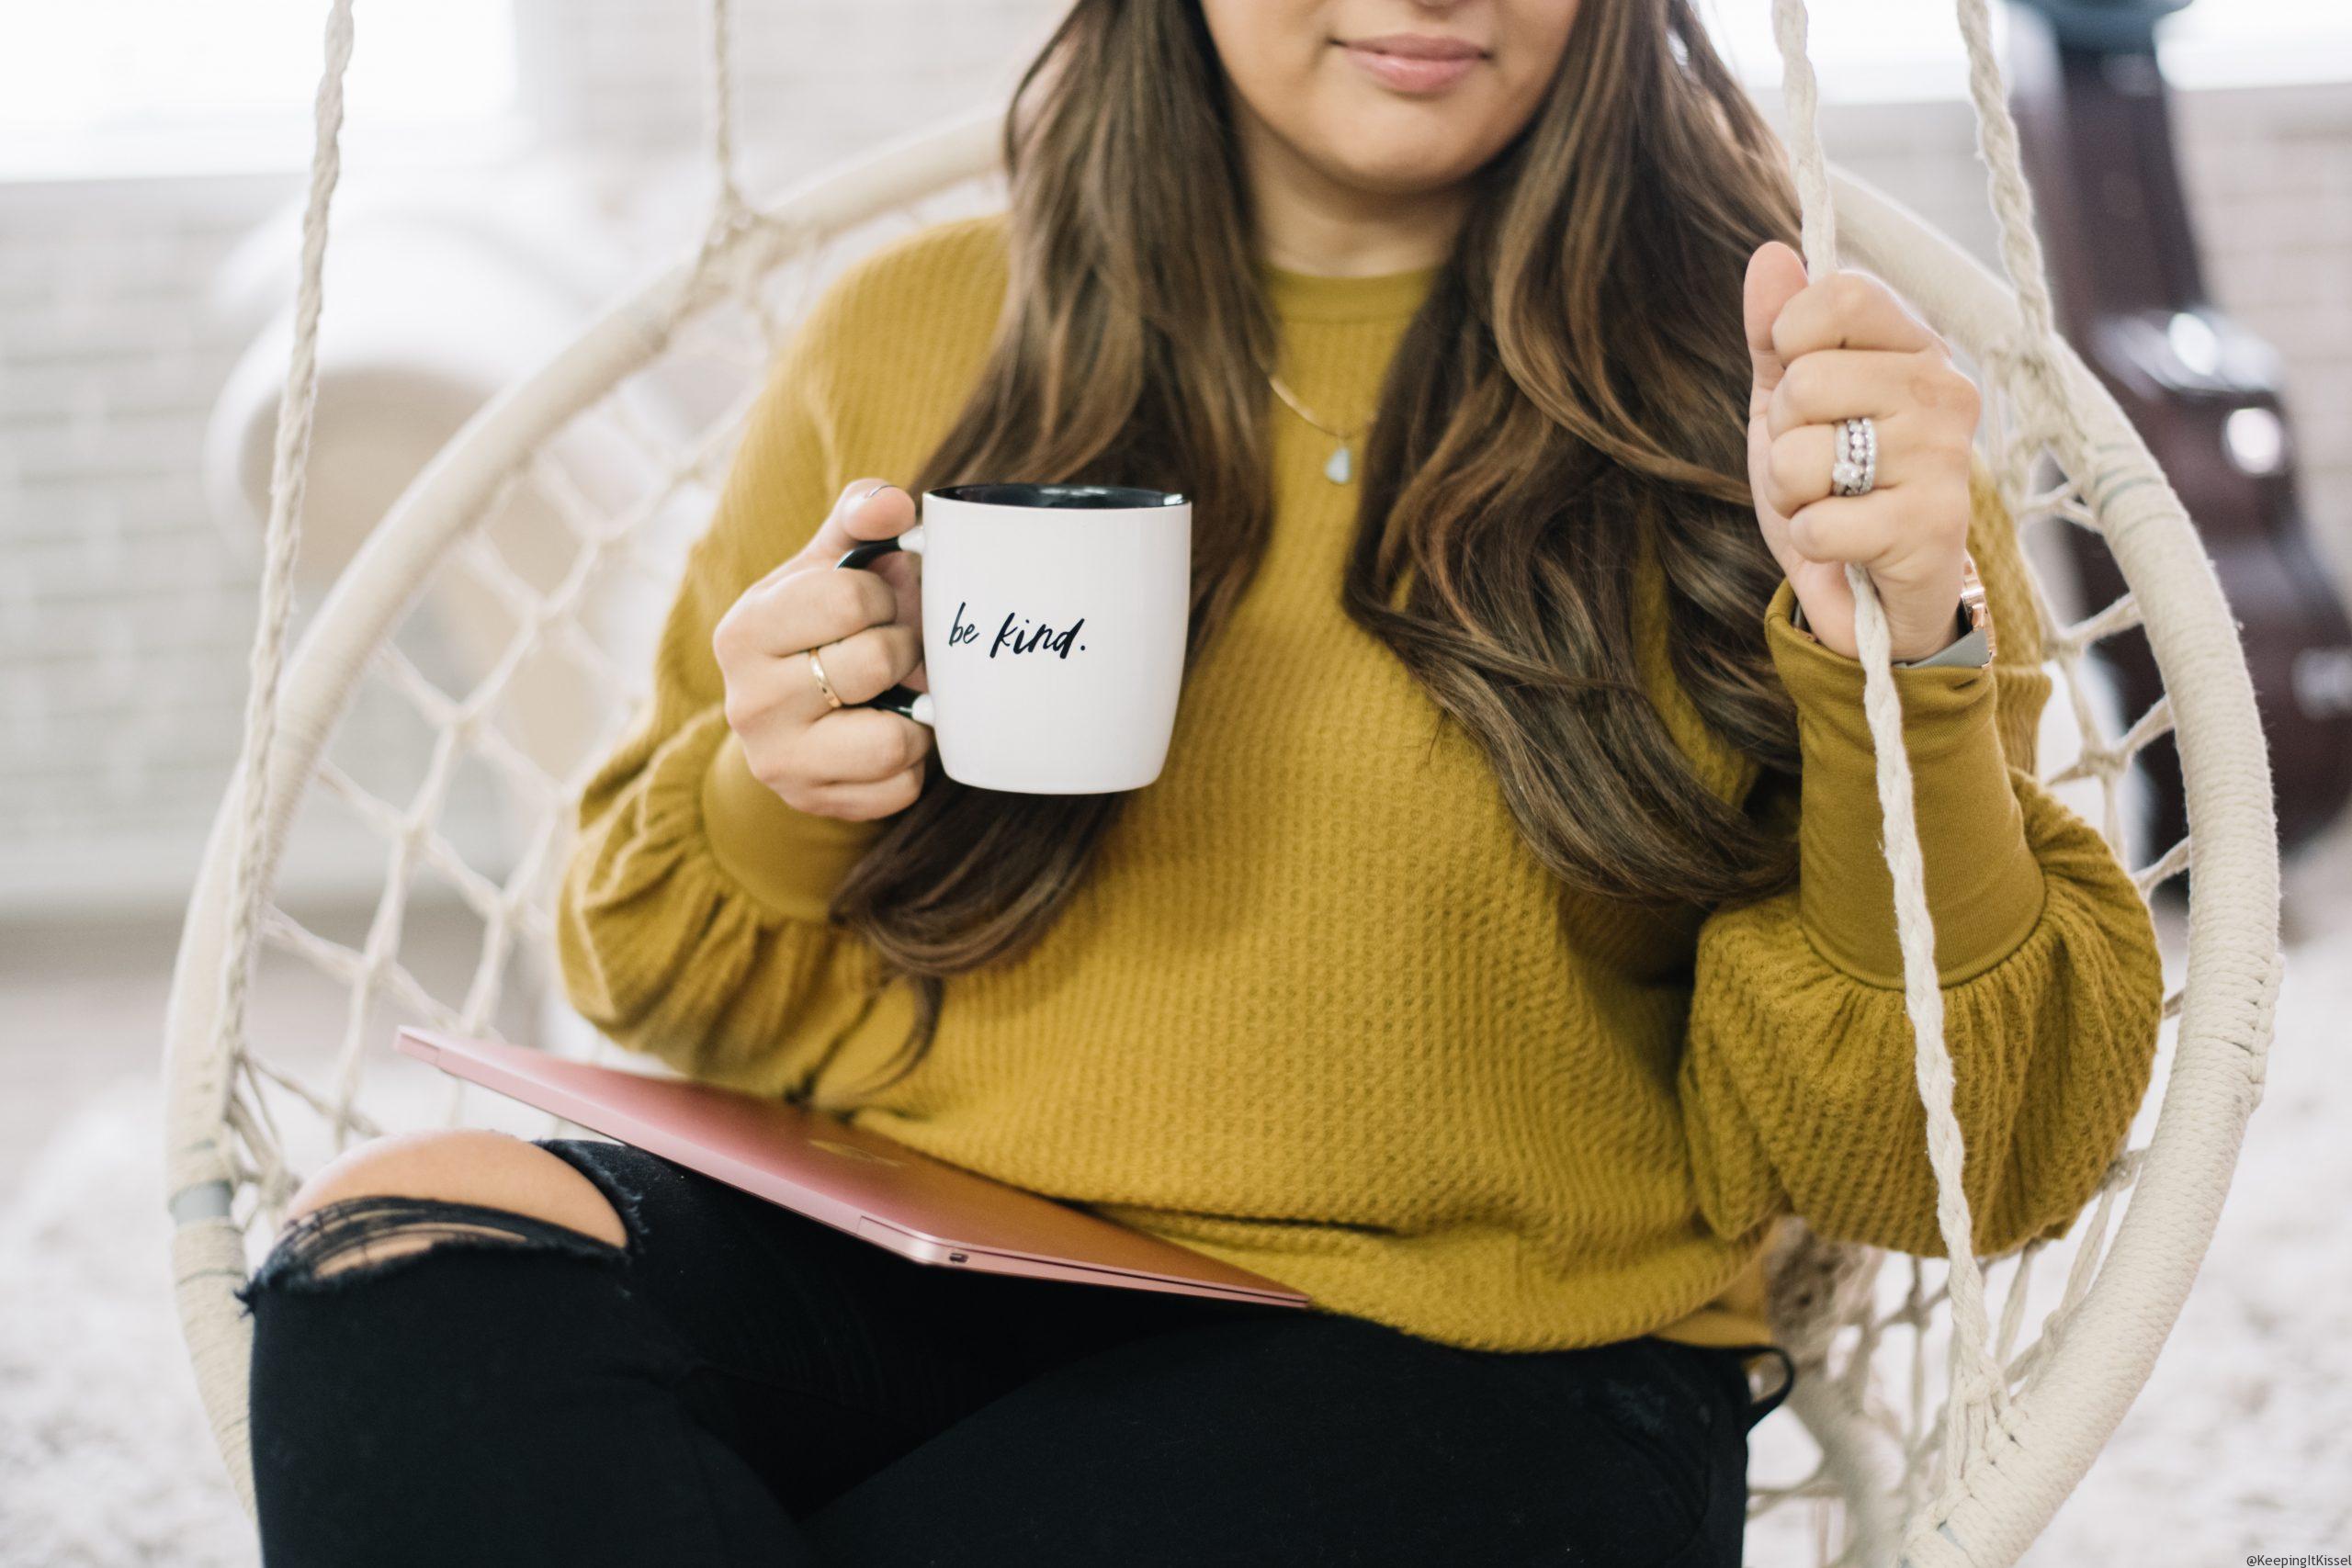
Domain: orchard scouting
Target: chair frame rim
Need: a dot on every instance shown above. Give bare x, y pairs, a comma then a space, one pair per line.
2094, 1371
2230, 989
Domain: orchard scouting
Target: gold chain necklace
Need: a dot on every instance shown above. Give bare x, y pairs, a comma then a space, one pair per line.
1341, 467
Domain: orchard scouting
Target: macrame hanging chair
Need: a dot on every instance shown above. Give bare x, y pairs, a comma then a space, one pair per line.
1944, 1437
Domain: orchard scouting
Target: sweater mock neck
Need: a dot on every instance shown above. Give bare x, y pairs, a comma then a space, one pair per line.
1315, 296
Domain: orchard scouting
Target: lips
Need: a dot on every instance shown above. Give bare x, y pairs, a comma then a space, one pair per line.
1413, 63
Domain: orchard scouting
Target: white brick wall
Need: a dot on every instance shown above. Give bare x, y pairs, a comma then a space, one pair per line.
124, 611
628, 74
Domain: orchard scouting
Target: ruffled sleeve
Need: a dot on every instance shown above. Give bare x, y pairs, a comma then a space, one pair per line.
1798, 1085
691, 921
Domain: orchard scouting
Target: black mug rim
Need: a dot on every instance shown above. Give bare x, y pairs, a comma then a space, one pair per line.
1059, 497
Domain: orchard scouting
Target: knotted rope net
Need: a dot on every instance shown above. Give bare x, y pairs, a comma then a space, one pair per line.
422, 747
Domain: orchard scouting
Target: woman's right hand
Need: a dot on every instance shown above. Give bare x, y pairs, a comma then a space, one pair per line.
851, 762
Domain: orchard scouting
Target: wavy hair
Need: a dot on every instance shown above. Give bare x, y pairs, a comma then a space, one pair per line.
1569, 400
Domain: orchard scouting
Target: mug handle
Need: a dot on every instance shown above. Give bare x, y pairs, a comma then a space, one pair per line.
904, 701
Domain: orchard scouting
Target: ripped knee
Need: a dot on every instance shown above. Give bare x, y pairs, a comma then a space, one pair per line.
402, 1197
376, 1233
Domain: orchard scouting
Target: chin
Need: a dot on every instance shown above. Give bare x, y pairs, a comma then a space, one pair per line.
1410, 169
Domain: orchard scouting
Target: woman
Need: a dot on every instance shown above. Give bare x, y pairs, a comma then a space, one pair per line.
1505, 948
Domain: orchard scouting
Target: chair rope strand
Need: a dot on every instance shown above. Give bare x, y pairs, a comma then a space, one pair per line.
1975, 1376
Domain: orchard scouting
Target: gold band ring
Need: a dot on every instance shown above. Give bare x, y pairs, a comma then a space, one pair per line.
817, 668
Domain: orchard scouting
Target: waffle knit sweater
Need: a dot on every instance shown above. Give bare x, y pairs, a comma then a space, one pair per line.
1318, 1009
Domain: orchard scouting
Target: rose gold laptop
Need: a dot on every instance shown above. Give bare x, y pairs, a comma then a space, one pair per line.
851, 1179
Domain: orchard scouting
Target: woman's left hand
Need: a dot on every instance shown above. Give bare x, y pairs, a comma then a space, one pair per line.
1845, 348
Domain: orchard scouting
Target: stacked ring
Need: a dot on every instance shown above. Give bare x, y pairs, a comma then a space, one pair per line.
1855, 468
817, 668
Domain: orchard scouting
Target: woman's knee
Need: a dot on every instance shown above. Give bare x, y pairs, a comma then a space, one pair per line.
408, 1192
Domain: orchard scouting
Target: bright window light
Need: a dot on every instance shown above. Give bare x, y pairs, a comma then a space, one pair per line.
1872, 51
2253, 43
166, 86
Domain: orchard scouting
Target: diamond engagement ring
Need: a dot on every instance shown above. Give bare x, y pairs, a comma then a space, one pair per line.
1854, 467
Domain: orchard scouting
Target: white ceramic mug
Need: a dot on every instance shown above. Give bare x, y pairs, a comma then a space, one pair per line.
1054, 622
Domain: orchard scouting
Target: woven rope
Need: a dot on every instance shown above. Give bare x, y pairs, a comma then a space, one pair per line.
724, 258
723, 156
206, 1244
1975, 1377
289, 474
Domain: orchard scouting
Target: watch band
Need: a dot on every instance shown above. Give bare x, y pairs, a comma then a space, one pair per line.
1974, 651
1971, 650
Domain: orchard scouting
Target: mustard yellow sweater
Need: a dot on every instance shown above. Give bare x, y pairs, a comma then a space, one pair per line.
1318, 1010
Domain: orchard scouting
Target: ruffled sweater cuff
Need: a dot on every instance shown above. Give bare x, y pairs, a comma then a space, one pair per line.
1799, 1088
1984, 885
718, 960
789, 861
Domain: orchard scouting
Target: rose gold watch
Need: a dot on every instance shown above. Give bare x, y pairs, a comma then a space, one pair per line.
1972, 644
1974, 604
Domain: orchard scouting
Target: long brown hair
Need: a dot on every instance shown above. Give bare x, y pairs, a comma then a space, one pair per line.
1569, 399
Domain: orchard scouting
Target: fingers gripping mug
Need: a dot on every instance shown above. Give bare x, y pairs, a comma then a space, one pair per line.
1054, 621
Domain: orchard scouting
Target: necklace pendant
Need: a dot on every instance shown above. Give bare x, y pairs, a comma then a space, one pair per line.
1341, 468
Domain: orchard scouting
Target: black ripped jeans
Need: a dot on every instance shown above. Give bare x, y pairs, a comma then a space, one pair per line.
744, 1385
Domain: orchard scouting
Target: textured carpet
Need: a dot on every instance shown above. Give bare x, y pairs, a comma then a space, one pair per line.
104, 1454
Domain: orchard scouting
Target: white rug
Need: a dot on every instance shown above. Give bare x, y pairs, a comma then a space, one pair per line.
2239, 1444
104, 1459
